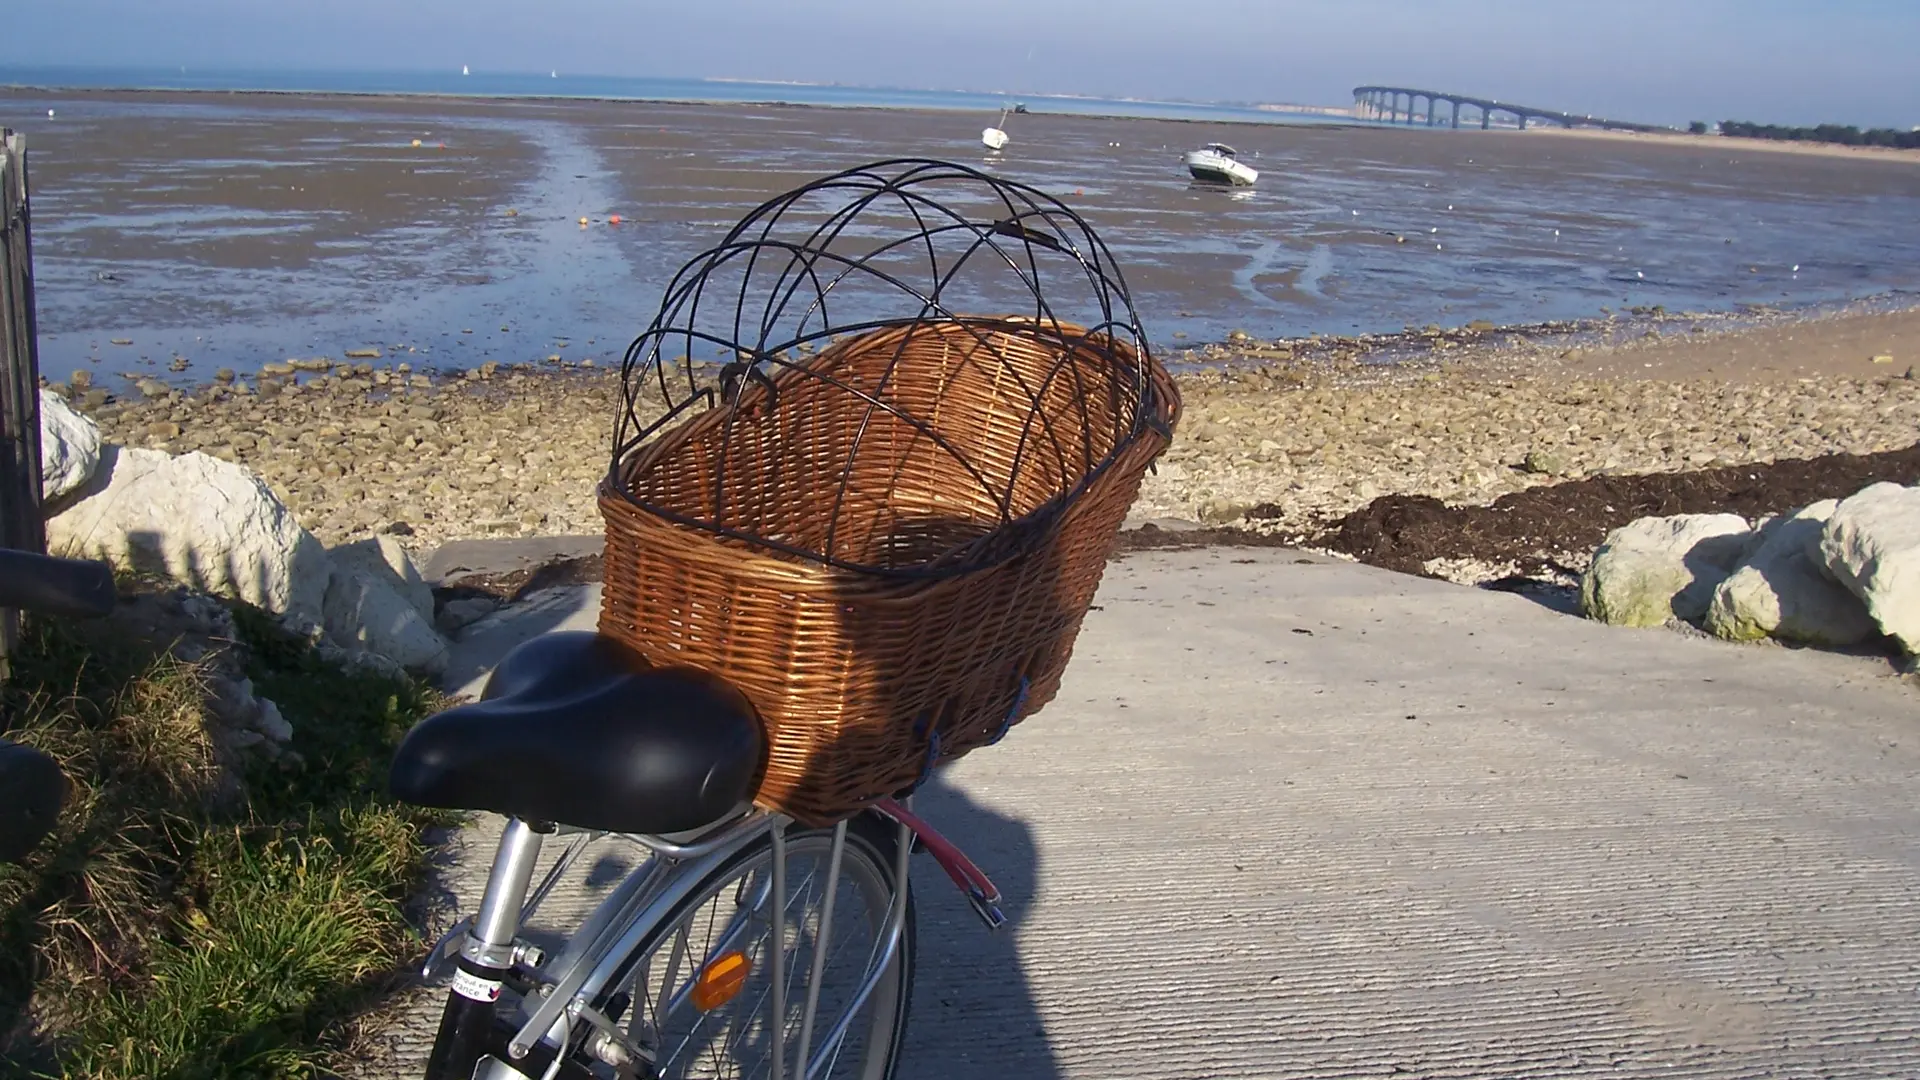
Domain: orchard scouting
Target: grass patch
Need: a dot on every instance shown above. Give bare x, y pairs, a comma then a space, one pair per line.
201, 912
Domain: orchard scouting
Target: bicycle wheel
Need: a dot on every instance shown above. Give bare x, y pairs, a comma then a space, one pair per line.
698, 990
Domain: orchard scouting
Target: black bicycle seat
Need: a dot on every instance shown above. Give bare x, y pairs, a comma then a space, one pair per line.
576, 729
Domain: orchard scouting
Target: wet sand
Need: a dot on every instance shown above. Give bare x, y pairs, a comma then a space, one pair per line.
233, 229
1852, 345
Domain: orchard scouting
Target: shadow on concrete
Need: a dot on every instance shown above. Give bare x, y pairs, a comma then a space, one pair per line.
973, 1012
485, 643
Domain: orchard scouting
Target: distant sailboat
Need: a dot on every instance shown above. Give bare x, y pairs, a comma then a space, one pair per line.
554, 74
463, 70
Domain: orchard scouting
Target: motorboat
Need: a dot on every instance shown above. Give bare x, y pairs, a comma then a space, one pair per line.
1216, 163
995, 137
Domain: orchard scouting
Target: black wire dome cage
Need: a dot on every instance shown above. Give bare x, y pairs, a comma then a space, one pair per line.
861, 412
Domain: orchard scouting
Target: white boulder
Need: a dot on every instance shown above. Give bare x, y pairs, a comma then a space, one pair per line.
206, 522
383, 557
69, 448
1871, 545
1784, 589
366, 611
1660, 568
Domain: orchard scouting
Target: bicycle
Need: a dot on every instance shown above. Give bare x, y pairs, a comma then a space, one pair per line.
675, 973
885, 529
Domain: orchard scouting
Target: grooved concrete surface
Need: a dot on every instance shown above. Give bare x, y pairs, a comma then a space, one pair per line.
1292, 817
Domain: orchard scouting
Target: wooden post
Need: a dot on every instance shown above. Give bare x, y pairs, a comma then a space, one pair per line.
22, 526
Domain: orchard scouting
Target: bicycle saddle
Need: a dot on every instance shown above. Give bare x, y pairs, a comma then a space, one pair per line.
576, 729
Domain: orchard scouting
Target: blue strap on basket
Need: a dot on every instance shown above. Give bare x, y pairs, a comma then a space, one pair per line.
922, 726
933, 758
1013, 712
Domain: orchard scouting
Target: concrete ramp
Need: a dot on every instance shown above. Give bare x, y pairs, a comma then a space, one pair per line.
1291, 817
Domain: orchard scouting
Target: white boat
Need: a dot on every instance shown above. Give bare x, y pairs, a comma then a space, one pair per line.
995, 137
463, 69
1215, 162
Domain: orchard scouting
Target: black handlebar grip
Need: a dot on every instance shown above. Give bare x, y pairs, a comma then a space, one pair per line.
54, 586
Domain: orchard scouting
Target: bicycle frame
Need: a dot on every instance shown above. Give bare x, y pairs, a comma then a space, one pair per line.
544, 1022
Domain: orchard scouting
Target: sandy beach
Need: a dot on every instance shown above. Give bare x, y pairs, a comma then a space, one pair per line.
1301, 432
1734, 145
222, 230
421, 262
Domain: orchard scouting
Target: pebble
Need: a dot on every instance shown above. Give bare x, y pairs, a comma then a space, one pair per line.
1305, 440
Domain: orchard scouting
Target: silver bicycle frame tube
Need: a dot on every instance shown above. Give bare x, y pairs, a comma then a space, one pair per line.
821, 942
777, 916
896, 927
499, 918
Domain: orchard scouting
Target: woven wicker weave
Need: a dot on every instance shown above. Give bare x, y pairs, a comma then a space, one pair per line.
864, 680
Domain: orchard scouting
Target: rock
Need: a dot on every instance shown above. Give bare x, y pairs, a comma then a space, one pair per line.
1222, 511
81, 380
270, 723
1543, 463
206, 522
384, 557
1871, 545
364, 612
363, 354
1784, 590
276, 370
456, 615
94, 399
232, 701
223, 376
1660, 568
69, 448
1480, 326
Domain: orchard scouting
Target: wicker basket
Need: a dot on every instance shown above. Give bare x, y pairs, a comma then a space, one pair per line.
868, 677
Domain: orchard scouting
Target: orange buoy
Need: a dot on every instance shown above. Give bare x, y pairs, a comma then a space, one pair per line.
614, 220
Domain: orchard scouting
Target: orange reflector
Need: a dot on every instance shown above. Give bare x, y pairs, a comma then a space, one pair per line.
722, 981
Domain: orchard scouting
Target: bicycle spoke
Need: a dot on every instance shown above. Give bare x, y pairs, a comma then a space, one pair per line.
803, 984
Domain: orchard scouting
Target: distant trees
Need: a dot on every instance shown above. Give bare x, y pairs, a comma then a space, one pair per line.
1698, 127
1844, 134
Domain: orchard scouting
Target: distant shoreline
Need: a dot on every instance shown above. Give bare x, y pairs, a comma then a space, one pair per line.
1724, 142
1278, 113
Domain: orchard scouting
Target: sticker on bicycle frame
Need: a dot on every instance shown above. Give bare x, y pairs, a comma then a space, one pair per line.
473, 987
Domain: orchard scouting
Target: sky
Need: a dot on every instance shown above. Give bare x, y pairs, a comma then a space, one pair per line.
1659, 61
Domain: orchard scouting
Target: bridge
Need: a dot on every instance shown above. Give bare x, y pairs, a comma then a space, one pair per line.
1384, 103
